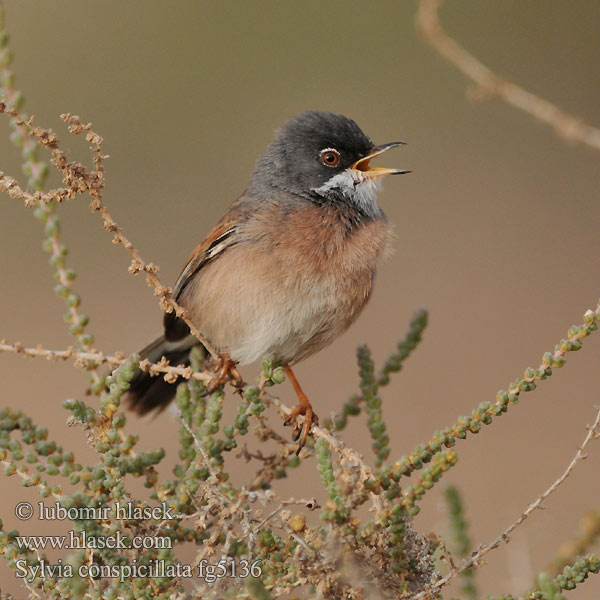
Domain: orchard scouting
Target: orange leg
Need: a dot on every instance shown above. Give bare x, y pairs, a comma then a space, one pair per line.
303, 408
226, 367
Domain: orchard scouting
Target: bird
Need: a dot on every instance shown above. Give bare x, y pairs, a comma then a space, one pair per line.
289, 267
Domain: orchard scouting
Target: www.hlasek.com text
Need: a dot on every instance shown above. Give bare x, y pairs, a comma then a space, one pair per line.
81, 540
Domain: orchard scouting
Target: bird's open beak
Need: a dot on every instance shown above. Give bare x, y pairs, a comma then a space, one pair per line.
366, 170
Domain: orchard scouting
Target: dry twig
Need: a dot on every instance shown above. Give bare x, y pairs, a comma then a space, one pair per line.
78, 179
592, 434
488, 84
84, 359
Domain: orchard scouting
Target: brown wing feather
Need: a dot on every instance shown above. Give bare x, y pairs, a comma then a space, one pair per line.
221, 237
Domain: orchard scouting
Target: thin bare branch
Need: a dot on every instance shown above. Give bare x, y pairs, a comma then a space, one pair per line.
78, 180
489, 84
84, 359
592, 434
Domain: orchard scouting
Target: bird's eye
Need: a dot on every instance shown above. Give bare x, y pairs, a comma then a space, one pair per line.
330, 157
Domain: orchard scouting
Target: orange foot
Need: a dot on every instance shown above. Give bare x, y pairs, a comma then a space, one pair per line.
225, 368
304, 408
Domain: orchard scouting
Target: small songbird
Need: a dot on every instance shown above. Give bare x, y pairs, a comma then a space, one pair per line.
291, 264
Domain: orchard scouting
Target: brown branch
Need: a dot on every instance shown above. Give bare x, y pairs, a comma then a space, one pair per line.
475, 560
167, 302
489, 84
84, 359
77, 180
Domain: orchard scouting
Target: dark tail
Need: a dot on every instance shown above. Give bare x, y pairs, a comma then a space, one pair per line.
146, 392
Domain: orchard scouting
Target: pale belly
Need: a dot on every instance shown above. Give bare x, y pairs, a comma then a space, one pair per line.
265, 308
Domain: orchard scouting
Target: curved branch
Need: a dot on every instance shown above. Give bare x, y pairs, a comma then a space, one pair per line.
475, 560
489, 84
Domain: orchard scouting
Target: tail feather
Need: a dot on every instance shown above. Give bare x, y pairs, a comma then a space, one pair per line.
146, 392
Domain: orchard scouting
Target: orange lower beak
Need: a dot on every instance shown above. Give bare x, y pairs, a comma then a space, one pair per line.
365, 168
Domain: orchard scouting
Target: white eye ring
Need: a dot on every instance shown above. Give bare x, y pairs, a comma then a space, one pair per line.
329, 157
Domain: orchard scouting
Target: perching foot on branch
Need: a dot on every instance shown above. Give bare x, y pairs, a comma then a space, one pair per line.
303, 408
225, 368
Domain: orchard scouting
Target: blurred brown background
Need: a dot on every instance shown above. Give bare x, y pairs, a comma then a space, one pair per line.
497, 227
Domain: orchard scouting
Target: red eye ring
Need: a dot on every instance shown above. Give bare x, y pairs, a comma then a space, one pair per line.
330, 157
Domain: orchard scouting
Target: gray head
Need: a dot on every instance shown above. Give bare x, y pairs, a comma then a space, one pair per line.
323, 157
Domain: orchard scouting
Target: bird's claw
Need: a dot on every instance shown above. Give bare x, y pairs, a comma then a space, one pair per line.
226, 368
301, 431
